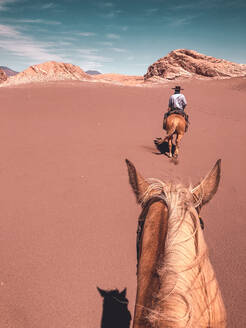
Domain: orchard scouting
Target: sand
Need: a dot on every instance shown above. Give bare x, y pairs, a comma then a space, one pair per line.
68, 215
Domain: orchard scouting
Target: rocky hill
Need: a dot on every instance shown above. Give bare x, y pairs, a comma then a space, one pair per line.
49, 71
92, 72
3, 76
8, 71
184, 63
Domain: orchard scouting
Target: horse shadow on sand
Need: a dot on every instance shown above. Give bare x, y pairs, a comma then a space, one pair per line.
115, 311
163, 148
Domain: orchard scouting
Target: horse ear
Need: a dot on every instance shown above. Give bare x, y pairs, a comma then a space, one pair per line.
101, 291
139, 184
207, 188
123, 293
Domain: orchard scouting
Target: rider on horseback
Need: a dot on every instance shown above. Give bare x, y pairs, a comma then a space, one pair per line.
176, 105
175, 122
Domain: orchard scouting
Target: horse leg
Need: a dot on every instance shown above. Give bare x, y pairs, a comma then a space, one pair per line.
179, 137
170, 145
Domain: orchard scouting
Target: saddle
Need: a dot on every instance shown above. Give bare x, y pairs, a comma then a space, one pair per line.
179, 112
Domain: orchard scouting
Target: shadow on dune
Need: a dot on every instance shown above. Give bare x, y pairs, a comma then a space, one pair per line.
115, 309
163, 148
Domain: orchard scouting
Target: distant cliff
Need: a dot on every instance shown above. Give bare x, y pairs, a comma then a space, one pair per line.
8, 71
184, 63
49, 71
92, 72
3, 76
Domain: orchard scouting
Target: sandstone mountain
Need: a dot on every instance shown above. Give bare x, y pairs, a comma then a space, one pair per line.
178, 64
3, 76
8, 71
184, 63
92, 72
49, 71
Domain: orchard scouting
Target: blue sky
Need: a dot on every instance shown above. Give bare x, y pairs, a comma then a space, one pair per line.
118, 36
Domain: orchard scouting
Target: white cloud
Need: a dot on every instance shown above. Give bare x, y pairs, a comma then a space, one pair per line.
63, 43
91, 55
97, 58
106, 43
201, 5
87, 51
48, 5
107, 4
112, 13
30, 49
88, 65
69, 38
112, 36
119, 50
180, 21
5, 3
9, 31
35, 21
15, 42
87, 33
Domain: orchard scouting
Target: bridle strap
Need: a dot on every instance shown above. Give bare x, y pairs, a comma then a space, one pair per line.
122, 302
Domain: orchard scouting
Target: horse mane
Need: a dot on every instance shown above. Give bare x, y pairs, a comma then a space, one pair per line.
189, 293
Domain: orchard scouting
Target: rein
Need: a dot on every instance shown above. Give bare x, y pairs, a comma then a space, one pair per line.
122, 302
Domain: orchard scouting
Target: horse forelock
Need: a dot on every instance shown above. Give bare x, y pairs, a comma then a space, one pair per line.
189, 293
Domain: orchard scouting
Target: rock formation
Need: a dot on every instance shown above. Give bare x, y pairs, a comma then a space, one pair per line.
92, 72
49, 71
184, 63
8, 71
3, 76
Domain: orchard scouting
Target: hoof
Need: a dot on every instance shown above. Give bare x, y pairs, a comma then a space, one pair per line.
169, 155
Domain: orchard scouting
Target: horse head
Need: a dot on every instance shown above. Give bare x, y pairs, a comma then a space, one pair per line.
176, 284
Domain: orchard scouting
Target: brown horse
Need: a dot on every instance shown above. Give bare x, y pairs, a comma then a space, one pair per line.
176, 284
175, 124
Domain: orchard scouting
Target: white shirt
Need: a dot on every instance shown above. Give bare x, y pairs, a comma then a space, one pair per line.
177, 101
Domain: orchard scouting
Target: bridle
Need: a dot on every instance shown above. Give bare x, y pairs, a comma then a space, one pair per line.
122, 302
198, 208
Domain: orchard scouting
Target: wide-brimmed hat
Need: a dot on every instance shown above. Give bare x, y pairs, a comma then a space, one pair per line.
177, 88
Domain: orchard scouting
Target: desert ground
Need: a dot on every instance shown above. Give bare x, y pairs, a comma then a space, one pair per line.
68, 215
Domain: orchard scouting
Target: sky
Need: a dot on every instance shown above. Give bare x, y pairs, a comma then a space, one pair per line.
118, 36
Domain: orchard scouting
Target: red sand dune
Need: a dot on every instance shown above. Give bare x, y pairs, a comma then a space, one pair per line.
68, 215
